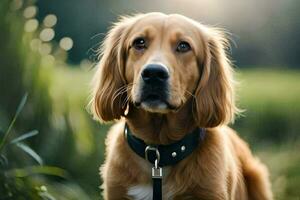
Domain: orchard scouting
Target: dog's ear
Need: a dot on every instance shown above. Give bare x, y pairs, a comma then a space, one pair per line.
108, 83
214, 96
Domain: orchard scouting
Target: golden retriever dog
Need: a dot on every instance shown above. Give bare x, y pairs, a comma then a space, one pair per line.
163, 76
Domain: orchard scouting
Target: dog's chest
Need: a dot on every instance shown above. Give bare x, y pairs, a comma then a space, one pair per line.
140, 192
144, 192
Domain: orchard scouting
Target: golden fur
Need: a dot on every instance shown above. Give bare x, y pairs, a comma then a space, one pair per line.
202, 92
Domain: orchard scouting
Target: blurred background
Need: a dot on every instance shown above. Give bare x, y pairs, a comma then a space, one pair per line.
50, 148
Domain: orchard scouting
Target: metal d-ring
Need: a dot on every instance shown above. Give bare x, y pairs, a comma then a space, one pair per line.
125, 132
156, 164
151, 148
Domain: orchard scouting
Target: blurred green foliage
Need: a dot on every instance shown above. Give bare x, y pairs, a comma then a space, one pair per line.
68, 137
271, 99
71, 144
14, 183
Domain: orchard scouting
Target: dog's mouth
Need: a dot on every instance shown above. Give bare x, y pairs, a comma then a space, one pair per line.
154, 102
153, 98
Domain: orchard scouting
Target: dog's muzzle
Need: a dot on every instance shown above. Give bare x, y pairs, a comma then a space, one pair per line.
155, 79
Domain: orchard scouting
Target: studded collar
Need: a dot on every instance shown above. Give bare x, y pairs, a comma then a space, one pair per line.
165, 155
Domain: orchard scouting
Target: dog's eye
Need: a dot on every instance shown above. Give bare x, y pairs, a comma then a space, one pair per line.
183, 47
139, 44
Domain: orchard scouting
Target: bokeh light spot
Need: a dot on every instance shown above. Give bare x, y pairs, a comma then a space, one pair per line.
50, 20
35, 44
45, 49
30, 12
47, 34
86, 64
31, 25
66, 43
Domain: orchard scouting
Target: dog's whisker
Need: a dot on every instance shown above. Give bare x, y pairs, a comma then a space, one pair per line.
121, 91
127, 97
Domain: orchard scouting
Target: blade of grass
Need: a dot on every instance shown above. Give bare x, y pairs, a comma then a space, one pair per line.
28, 171
25, 136
46, 195
30, 152
3, 160
19, 109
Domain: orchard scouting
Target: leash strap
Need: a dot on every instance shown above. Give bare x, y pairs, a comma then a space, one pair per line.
157, 188
157, 181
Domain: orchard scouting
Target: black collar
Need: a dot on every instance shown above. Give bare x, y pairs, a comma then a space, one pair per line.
165, 154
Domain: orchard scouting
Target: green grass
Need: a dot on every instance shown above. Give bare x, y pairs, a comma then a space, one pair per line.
264, 86
271, 98
283, 163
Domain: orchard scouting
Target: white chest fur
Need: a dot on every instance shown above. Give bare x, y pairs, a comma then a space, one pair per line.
140, 192
144, 191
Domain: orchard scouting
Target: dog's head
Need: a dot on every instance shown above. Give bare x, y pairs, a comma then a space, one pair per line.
158, 63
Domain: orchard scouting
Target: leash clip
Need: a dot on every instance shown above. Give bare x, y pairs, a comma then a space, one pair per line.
156, 170
152, 148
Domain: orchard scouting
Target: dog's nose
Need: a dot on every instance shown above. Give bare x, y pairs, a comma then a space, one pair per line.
155, 73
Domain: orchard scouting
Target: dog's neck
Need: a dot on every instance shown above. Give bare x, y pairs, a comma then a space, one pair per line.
156, 128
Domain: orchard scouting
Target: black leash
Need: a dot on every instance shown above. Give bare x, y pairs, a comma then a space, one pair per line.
157, 188
157, 181
163, 155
